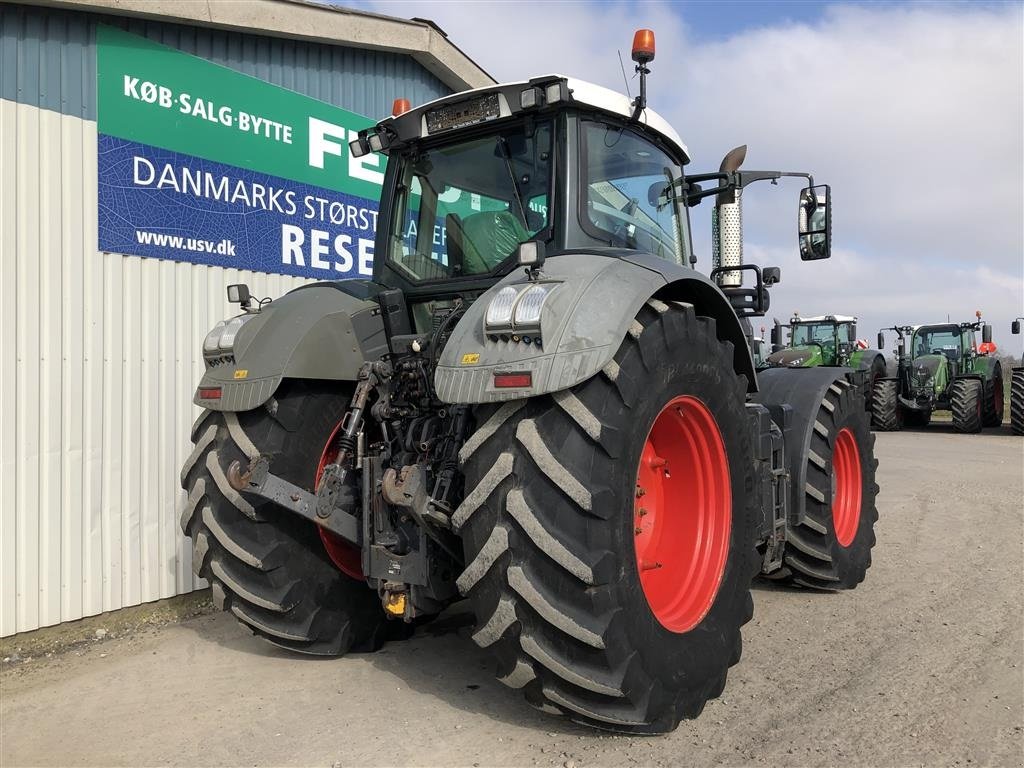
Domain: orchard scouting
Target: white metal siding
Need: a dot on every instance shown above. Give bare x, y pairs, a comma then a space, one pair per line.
100, 355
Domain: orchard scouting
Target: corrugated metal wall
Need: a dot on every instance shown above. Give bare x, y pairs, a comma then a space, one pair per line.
100, 352
48, 58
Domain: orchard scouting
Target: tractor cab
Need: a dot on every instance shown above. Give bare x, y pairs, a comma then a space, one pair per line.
481, 184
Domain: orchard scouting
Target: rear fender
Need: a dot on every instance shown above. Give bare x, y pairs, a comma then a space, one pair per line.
321, 331
792, 397
587, 314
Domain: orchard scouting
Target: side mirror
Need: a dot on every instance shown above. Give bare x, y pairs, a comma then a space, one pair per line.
1015, 327
815, 223
530, 255
986, 334
881, 340
771, 275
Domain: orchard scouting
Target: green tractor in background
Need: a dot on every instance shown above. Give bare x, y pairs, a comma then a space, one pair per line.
944, 369
830, 341
1017, 390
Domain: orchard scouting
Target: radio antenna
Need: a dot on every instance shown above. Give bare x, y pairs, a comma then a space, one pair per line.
624, 78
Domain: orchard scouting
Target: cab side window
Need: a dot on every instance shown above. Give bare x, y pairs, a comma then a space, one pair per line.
629, 199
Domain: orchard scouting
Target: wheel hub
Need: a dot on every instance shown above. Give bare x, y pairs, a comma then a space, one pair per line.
682, 513
846, 487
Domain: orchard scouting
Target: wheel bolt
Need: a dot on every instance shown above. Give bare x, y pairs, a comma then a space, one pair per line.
641, 512
646, 566
638, 530
640, 492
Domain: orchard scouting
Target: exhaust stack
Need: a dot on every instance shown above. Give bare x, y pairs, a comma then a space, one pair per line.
727, 225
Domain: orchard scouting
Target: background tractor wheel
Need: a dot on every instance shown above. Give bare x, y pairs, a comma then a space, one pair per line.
965, 399
886, 414
606, 587
875, 374
832, 548
994, 402
916, 418
1017, 401
264, 564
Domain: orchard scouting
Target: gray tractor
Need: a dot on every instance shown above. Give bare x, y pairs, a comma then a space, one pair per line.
537, 404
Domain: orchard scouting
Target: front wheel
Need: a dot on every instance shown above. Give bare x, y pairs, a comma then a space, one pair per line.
886, 414
965, 398
609, 534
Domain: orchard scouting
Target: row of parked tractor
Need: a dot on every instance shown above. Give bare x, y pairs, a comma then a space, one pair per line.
937, 367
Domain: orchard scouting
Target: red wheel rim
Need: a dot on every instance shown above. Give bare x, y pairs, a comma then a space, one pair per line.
682, 514
846, 487
346, 556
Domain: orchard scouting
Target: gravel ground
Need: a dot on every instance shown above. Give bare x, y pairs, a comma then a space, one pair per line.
921, 665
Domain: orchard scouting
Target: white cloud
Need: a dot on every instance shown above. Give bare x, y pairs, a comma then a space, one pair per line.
914, 115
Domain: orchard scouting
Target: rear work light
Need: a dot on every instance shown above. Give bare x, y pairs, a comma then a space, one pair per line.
517, 380
211, 393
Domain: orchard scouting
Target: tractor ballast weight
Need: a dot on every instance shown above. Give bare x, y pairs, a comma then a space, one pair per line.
521, 418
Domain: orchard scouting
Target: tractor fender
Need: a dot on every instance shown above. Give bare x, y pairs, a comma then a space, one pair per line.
591, 306
793, 397
983, 366
317, 331
863, 359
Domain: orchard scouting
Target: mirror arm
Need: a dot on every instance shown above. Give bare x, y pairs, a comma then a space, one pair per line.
749, 177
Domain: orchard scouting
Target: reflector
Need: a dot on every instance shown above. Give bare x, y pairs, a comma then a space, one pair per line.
517, 380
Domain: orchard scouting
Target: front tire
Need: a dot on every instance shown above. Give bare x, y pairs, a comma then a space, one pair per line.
965, 399
886, 414
265, 565
552, 518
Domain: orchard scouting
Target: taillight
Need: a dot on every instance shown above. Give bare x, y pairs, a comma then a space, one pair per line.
209, 393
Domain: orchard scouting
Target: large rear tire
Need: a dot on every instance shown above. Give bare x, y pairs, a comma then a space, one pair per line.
265, 565
886, 414
831, 549
556, 519
994, 399
965, 398
1017, 401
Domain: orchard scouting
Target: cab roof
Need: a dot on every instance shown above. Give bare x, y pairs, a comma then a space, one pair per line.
413, 124
825, 319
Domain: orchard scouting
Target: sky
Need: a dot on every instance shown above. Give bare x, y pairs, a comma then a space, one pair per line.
912, 112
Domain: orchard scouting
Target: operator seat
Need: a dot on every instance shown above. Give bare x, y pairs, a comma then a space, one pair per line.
488, 238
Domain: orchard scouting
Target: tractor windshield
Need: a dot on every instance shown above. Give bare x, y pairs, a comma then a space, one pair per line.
937, 340
813, 333
462, 209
